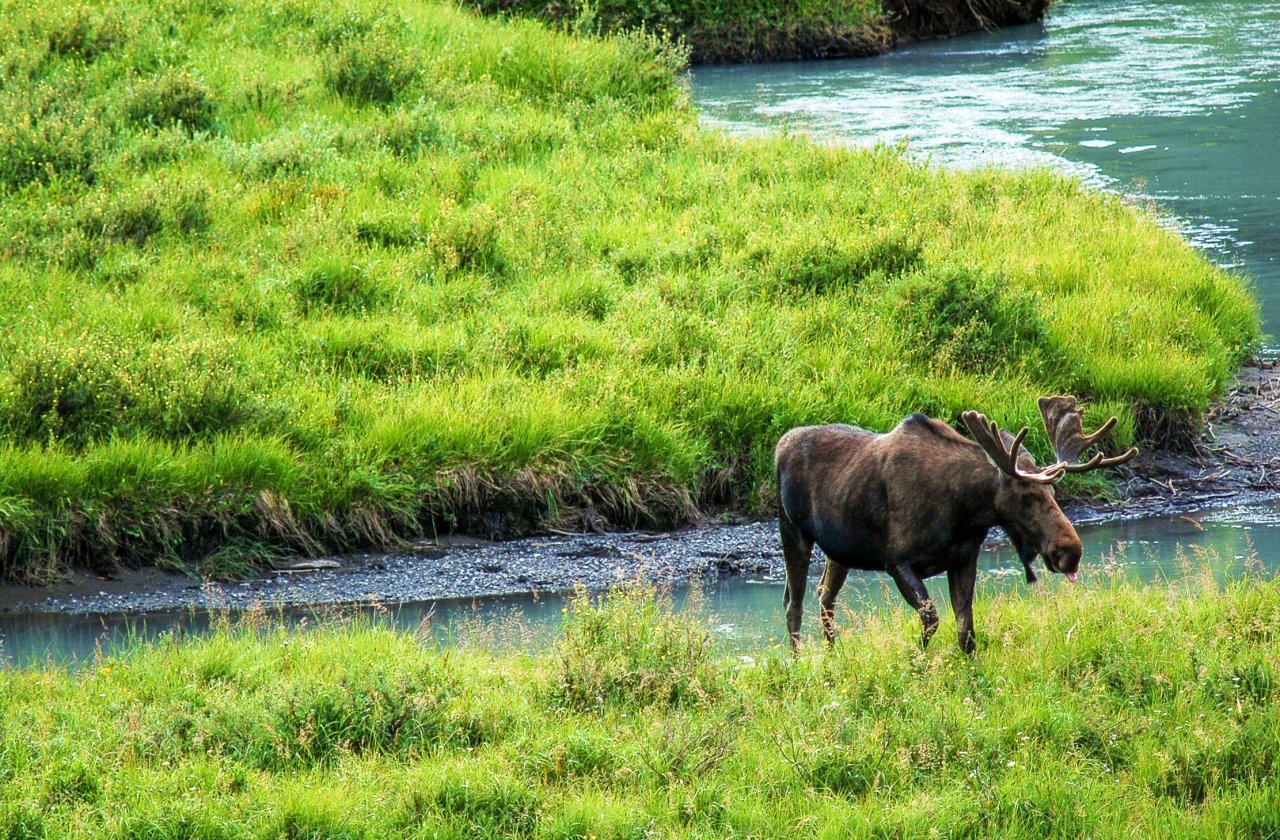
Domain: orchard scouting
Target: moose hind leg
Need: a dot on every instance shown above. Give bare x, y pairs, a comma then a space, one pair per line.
833, 577
915, 593
797, 551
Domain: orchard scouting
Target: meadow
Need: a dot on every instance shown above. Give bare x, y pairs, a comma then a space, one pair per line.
1118, 710
281, 276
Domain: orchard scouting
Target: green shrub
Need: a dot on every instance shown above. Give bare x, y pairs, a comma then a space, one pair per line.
630, 649
21, 821
172, 98
337, 285
374, 68
42, 141
69, 785
492, 809
85, 33
468, 239
88, 388
971, 321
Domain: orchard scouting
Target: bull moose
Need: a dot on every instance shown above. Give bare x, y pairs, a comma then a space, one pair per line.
919, 500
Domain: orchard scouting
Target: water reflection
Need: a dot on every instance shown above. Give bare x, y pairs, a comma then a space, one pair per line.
745, 612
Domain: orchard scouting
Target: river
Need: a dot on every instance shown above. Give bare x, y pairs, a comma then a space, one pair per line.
744, 610
1176, 102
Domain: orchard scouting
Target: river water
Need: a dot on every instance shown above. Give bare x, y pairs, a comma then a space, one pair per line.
1177, 102
745, 611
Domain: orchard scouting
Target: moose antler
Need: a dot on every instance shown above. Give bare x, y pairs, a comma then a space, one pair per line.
1066, 436
987, 434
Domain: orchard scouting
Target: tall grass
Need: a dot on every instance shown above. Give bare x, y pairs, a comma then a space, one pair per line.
286, 276
1120, 710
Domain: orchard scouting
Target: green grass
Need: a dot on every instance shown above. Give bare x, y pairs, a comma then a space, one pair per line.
282, 276
1117, 711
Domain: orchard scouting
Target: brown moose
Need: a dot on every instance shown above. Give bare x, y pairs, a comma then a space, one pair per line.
919, 500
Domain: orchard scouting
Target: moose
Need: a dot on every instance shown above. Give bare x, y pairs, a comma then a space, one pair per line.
919, 500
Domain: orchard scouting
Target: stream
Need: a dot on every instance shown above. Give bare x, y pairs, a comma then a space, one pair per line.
744, 609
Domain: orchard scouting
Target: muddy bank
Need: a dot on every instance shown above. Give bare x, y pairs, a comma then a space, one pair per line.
741, 33
1237, 462
922, 19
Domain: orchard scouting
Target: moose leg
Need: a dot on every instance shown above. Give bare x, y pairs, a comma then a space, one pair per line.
796, 550
912, 589
961, 581
833, 577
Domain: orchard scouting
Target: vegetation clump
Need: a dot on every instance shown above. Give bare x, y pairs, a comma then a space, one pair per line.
1114, 710
284, 276
728, 31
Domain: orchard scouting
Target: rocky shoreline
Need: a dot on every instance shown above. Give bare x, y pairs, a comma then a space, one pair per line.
1238, 462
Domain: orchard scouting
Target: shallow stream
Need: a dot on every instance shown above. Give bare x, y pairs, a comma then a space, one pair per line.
745, 609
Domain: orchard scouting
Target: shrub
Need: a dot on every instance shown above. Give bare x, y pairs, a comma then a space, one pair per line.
970, 321
374, 68
820, 265
41, 140
467, 238
629, 648
338, 285
85, 33
173, 97
82, 389
490, 808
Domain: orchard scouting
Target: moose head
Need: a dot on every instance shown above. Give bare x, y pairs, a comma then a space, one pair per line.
920, 499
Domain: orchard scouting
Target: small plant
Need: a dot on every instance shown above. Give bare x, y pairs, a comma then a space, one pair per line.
338, 285
490, 809
40, 143
468, 238
85, 33
172, 98
374, 68
969, 320
629, 648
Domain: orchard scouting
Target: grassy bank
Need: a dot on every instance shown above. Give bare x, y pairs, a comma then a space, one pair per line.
729, 31
1114, 711
282, 276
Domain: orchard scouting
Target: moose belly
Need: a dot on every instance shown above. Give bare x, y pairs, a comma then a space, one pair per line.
931, 547
850, 545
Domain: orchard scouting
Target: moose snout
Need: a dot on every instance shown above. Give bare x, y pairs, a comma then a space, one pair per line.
1064, 558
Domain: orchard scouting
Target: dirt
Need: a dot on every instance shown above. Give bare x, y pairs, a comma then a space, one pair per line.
1236, 462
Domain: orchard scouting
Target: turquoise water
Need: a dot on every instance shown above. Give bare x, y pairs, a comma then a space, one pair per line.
1173, 102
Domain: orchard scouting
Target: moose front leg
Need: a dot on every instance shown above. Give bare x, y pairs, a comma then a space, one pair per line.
961, 581
833, 577
912, 588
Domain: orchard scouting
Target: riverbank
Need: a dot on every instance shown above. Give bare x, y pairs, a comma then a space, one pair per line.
748, 31
318, 282
1117, 710
1236, 463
